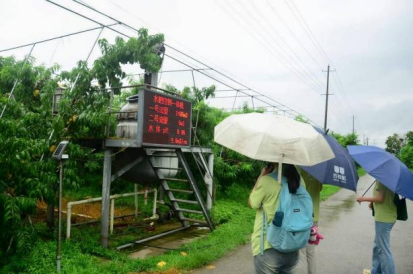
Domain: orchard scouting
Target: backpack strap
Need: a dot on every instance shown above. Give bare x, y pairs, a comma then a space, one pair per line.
264, 216
264, 224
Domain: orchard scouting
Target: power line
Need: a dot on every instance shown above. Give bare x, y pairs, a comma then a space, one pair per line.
308, 30
290, 111
337, 108
285, 58
314, 40
170, 71
90, 7
341, 88
214, 78
58, 37
292, 33
279, 57
310, 73
193, 69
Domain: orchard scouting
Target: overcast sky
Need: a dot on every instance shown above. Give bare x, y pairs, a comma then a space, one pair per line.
279, 48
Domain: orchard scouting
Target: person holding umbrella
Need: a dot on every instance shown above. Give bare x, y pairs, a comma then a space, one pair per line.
385, 217
392, 176
265, 196
307, 262
275, 139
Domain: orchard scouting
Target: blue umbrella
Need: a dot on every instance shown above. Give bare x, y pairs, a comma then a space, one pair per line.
384, 167
340, 171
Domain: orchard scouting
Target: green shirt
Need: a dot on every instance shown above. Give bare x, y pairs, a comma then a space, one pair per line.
386, 211
313, 187
266, 194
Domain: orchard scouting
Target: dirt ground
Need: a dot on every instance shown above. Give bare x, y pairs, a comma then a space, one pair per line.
81, 213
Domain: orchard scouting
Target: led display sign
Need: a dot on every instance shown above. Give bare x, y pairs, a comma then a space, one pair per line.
163, 120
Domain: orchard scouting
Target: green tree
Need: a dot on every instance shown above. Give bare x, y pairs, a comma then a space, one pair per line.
29, 133
301, 118
346, 140
409, 138
394, 144
25, 176
406, 155
406, 149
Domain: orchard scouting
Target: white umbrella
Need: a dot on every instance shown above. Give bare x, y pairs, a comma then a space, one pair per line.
273, 138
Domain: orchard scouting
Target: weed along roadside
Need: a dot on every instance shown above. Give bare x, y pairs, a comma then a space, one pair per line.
195, 249
234, 229
83, 253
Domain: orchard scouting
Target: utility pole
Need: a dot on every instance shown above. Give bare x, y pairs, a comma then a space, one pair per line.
353, 124
327, 94
367, 141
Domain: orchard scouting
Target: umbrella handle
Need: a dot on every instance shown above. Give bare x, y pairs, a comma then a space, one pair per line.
280, 166
368, 188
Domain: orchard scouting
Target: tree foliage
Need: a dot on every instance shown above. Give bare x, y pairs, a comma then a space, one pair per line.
346, 140
29, 132
25, 175
394, 144
142, 50
402, 147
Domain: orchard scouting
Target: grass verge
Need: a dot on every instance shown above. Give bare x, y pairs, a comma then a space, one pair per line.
361, 172
327, 191
83, 253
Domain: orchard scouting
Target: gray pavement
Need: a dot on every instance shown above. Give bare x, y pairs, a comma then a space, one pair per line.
348, 229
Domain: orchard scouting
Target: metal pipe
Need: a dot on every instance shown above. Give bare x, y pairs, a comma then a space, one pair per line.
104, 217
57, 37
210, 184
112, 197
112, 214
110, 109
96, 221
153, 237
136, 200
145, 197
59, 233
87, 59
155, 197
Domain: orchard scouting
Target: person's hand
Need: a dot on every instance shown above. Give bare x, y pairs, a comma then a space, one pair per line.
360, 199
371, 206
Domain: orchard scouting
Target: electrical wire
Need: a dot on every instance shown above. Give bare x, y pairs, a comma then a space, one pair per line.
311, 33
291, 111
57, 37
314, 40
292, 33
88, 6
266, 44
292, 54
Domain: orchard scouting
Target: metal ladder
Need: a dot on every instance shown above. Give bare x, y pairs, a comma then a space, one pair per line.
180, 197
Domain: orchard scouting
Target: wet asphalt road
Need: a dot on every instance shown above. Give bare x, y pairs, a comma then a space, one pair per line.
348, 229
